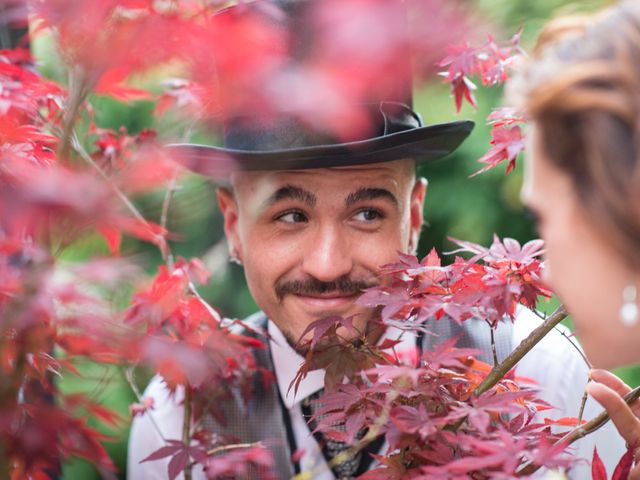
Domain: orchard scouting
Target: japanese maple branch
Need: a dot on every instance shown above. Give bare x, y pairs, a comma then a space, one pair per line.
226, 448
493, 345
233, 446
78, 92
171, 188
166, 254
499, 371
186, 428
121, 195
598, 421
583, 430
167, 257
128, 374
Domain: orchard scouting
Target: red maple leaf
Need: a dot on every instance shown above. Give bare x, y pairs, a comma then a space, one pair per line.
623, 468
180, 454
446, 355
240, 462
621, 472
508, 142
414, 420
111, 83
321, 327
564, 421
598, 470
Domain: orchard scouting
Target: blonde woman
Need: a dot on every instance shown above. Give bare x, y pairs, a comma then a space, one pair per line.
581, 94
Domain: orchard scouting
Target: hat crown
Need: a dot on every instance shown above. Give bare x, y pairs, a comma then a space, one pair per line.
340, 95
331, 86
286, 132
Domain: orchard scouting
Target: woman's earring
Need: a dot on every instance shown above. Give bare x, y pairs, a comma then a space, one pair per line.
629, 308
234, 257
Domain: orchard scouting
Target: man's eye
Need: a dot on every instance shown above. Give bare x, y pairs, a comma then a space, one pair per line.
368, 215
292, 217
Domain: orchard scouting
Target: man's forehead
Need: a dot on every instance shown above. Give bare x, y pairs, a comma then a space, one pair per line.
392, 171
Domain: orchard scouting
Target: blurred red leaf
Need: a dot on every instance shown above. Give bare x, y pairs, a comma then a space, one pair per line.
163, 452
143, 230
598, 470
105, 414
111, 83
488, 61
83, 345
623, 468
321, 327
240, 462
180, 454
564, 421
141, 408
112, 236
149, 167
507, 143
177, 463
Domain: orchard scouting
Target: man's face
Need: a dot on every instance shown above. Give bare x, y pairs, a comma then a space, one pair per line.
310, 240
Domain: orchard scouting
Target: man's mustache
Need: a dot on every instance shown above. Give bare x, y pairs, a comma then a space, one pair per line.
312, 286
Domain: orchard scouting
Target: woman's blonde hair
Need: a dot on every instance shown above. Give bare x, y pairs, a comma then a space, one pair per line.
581, 88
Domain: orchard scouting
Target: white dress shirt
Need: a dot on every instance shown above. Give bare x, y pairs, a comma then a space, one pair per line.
553, 363
286, 363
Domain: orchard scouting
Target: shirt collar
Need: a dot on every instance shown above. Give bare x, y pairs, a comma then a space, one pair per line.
286, 362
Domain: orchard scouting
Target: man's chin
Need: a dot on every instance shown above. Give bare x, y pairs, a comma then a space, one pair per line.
362, 321
303, 347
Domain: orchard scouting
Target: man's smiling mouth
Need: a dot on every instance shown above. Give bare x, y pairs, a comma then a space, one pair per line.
330, 300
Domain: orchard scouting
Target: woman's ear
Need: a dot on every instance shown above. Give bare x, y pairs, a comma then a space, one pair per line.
229, 209
416, 211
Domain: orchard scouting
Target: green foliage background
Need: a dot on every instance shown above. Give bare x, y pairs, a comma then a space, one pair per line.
459, 206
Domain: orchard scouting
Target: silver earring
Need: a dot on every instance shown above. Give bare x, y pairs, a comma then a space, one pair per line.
234, 257
629, 308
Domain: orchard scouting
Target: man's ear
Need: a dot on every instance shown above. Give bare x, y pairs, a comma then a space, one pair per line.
229, 209
416, 211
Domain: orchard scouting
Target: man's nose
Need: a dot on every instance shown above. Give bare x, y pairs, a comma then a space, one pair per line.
328, 255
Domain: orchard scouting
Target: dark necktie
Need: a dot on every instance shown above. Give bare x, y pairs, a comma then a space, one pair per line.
331, 448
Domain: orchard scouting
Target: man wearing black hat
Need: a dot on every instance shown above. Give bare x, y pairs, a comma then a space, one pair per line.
312, 218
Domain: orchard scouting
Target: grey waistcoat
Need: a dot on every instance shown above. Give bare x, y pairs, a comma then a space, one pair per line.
265, 418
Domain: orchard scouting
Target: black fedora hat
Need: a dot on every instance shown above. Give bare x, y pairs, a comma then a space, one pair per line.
284, 141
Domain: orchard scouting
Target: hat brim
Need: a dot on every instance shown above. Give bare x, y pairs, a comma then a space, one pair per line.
422, 144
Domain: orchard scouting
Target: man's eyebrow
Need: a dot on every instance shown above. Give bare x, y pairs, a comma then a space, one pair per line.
369, 193
291, 192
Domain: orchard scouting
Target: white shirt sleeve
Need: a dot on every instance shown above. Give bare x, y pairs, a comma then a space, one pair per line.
562, 376
149, 432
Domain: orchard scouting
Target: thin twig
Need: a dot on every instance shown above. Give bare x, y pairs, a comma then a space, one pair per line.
128, 374
575, 346
583, 430
583, 404
121, 195
168, 258
499, 371
585, 395
493, 345
598, 421
233, 446
186, 429
171, 188
78, 90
